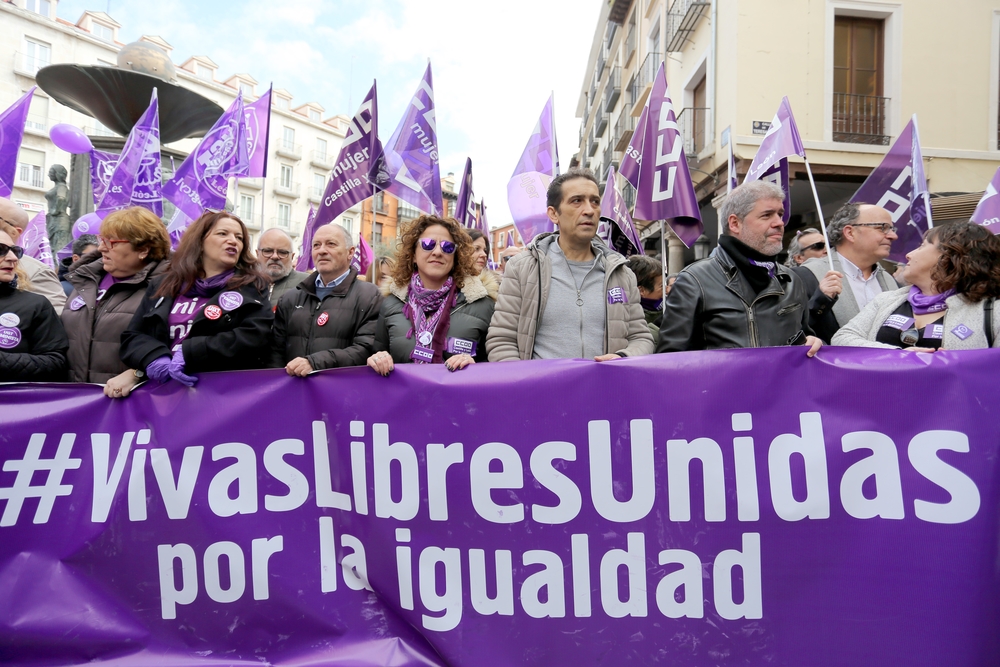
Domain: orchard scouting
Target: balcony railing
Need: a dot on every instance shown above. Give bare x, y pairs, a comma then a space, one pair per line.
322, 159
682, 21
30, 176
289, 150
593, 90
600, 123
693, 122
602, 59
287, 189
624, 127
643, 79
280, 221
36, 122
316, 194
613, 89
591, 146
629, 44
860, 119
610, 159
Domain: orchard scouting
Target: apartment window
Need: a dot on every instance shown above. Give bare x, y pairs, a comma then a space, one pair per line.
406, 211
348, 224
31, 168
314, 115
36, 55
38, 6
246, 208
319, 184
286, 176
859, 108
699, 119
282, 103
284, 215
288, 138
378, 232
246, 89
654, 38
321, 148
101, 31
204, 72
380, 202
38, 114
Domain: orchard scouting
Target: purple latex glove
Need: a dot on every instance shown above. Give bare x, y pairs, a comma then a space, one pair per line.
176, 369
159, 369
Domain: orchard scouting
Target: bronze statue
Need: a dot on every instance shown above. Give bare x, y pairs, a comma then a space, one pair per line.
57, 224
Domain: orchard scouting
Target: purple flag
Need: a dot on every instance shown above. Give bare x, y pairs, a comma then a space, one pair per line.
102, 166
202, 180
665, 191
480, 220
633, 154
349, 184
136, 178
258, 124
622, 234
35, 241
898, 185
465, 207
732, 180
538, 165
305, 261
363, 256
11, 133
510, 239
778, 174
411, 156
782, 139
987, 211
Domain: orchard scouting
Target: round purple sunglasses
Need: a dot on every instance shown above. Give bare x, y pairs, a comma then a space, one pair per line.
447, 247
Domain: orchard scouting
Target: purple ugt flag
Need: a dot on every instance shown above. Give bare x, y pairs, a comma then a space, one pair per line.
35, 240
349, 183
633, 154
665, 191
538, 165
102, 166
987, 212
465, 207
622, 235
411, 156
782, 140
136, 178
11, 134
897, 184
258, 124
363, 256
202, 180
305, 261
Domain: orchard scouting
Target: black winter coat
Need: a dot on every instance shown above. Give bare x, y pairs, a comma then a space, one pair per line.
235, 341
346, 335
35, 336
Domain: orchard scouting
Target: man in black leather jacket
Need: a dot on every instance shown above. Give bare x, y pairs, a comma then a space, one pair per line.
740, 296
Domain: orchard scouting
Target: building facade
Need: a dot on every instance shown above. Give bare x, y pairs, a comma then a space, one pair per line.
304, 138
854, 72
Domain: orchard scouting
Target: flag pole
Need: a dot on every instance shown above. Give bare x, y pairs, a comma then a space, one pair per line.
663, 265
924, 195
819, 212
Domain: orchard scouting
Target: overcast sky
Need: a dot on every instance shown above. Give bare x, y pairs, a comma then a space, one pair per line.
494, 63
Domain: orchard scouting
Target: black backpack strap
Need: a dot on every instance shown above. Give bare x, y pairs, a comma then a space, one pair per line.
988, 321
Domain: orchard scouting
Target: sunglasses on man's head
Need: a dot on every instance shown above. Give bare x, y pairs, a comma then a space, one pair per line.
819, 245
447, 247
16, 249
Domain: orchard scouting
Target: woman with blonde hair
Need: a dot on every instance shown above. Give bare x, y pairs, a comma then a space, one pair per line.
437, 307
108, 286
32, 340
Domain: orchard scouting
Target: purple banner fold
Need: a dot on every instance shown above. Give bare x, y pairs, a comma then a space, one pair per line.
363, 256
136, 178
35, 241
257, 117
632, 159
987, 212
411, 156
465, 206
305, 261
781, 141
102, 166
622, 234
12, 122
538, 165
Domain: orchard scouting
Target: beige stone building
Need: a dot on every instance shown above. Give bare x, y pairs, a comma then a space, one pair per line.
854, 72
304, 137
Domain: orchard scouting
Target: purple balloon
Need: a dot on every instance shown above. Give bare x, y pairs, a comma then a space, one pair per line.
87, 224
70, 138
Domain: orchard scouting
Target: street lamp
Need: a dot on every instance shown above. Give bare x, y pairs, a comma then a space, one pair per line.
701, 247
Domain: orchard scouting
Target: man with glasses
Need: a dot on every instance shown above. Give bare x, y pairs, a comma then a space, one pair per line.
808, 243
276, 258
41, 278
860, 235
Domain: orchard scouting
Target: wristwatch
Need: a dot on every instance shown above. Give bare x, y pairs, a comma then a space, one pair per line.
139, 374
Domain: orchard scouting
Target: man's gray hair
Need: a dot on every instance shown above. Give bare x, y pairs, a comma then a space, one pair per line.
275, 229
744, 197
847, 214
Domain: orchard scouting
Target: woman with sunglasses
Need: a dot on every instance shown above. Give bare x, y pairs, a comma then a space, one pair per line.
32, 340
208, 312
108, 286
437, 307
954, 277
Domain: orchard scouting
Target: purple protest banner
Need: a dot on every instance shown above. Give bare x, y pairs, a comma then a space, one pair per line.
202, 180
349, 184
35, 240
11, 134
781, 141
732, 179
891, 186
465, 206
538, 165
632, 159
622, 234
258, 128
363, 256
778, 527
665, 191
987, 212
136, 178
305, 261
411, 156
102, 166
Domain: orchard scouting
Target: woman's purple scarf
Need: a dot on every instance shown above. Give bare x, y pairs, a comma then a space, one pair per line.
206, 287
420, 301
923, 304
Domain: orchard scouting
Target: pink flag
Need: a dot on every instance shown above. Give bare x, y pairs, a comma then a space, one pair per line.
35, 240
305, 261
258, 126
363, 256
11, 133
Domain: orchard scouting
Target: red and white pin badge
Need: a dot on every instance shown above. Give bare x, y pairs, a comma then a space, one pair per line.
213, 312
323, 318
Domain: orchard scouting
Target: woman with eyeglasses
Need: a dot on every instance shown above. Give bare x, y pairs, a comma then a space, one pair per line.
954, 277
208, 312
437, 308
108, 286
32, 340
